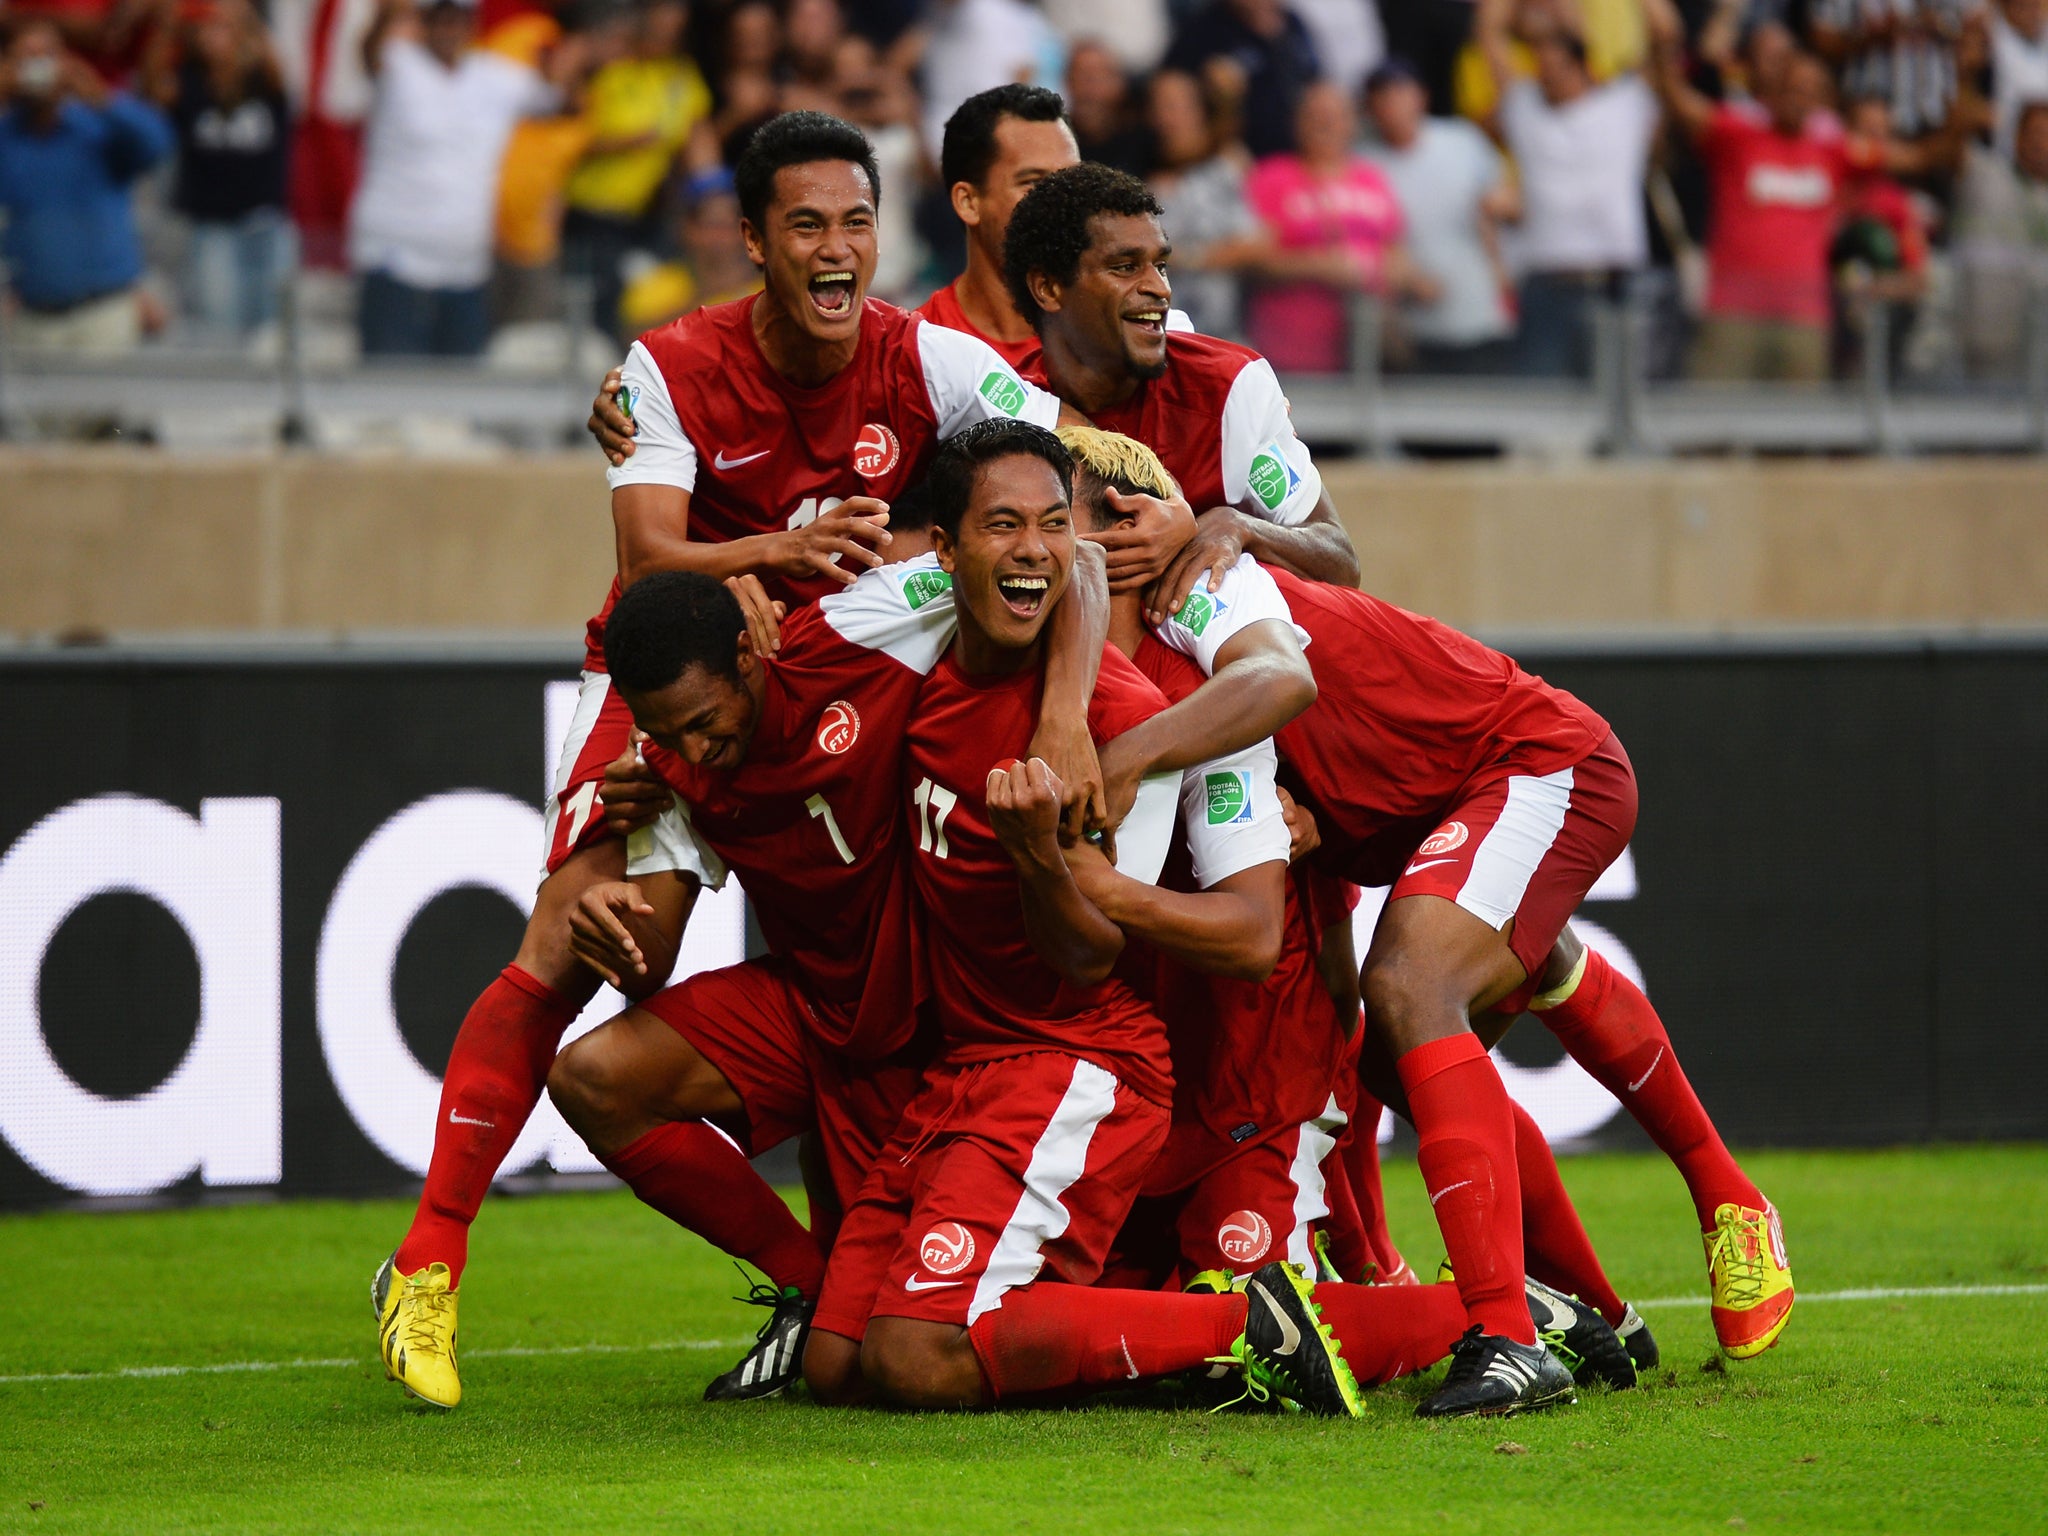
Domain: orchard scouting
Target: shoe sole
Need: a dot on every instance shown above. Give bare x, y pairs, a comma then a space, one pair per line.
1749, 1349
1509, 1410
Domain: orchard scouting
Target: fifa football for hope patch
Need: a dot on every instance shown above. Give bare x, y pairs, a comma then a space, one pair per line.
1271, 477
1002, 392
921, 587
1229, 796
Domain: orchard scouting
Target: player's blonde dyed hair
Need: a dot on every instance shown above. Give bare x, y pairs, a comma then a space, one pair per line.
1112, 459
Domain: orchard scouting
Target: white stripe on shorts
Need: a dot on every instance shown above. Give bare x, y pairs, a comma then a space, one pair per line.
1315, 1141
1056, 1162
590, 697
1506, 860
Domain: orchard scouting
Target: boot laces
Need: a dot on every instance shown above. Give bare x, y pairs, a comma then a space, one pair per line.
1738, 1258
760, 1294
428, 1321
1468, 1357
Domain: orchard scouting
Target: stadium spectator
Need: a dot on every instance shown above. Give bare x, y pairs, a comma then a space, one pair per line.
971, 46
2001, 246
1199, 181
1134, 30
1335, 229
1431, 34
1453, 191
320, 45
1099, 106
226, 103
812, 31
420, 230
642, 111
712, 266
70, 152
2019, 62
1349, 38
1610, 30
1581, 149
880, 102
1879, 253
1901, 52
746, 89
1256, 52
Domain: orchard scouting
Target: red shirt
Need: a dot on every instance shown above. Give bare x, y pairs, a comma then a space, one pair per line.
1775, 201
995, 997
943, 308
809, 822
759, 454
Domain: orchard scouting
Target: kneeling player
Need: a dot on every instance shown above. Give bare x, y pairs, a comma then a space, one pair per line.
1014, 1168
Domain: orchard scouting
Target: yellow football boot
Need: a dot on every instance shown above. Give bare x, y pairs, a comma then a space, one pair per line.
416, 1332
1750, 1278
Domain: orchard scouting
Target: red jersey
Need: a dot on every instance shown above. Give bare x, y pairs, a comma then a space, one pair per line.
995, 997
1250, 1059
760, 454
1775, 202
809, 822
1407, 712
1220, 424
943, 308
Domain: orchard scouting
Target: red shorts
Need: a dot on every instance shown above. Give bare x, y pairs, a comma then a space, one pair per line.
599, 731
1526, 848
999, 1171
754, 1024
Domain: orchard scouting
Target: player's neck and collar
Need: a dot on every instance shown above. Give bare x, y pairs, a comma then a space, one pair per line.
791, 350
1090, 386
983, 298
983, 662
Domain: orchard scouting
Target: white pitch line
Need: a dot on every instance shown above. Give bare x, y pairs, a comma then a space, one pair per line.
1879, 1293
146, 1372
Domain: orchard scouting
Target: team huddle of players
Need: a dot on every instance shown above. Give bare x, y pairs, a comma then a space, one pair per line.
1011, 656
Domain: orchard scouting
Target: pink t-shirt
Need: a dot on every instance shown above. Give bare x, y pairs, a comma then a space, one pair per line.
1303, 326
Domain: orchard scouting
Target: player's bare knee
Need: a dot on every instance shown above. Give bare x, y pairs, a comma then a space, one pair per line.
920, 1366
584, 1089
832, 1370
1406, 1003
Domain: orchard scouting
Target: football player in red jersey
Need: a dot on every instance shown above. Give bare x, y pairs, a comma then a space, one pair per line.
1021, 1156
998, 145
1086, 261
773, 430
1489, 801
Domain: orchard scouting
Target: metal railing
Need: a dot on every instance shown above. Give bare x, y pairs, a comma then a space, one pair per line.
1618, 412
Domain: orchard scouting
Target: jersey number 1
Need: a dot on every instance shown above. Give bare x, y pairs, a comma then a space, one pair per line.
934, 804
817, 806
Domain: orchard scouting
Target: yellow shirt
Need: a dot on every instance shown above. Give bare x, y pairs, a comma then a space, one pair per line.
656, 99
538, 157
661, 293
1615, 43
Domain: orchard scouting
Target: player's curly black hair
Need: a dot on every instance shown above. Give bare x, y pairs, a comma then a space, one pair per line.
1050, 229
664, 624
949, 483
969, 147
798, 138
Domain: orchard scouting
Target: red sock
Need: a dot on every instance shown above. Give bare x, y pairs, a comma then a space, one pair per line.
495, 1076
1467, 1129
1554, 1240
1362, 1157
700, 1181
1048, 1337
1612, 1031
1388, 1331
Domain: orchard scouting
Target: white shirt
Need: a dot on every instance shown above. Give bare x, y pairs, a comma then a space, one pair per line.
1440, 180
431, 156
1350, 42
2019, 74
1582, 168
977, 45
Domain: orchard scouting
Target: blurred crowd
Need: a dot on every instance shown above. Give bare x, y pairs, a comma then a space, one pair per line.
1756, 177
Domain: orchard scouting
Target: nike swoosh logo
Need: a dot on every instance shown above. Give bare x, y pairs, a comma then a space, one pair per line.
1426, 864
914, 1284
1632, 1087
455, 1119
1290, 1336
1461, 1184
723, 462
1129, 1364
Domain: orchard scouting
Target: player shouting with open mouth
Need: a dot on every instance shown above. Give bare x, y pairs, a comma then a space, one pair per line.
772, 433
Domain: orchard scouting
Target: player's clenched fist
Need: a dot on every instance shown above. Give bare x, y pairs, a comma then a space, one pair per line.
609, 423
633, 794
853, 530
1304, 837
1024, 813
598, 935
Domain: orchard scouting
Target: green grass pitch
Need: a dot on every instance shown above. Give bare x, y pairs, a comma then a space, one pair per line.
1885, 1413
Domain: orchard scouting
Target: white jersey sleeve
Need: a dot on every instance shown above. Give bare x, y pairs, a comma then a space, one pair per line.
662, 455
1146, 834
1232, 815
968, 382
1179, 320
672, 843
1267, 471
1210, 619
904, 610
